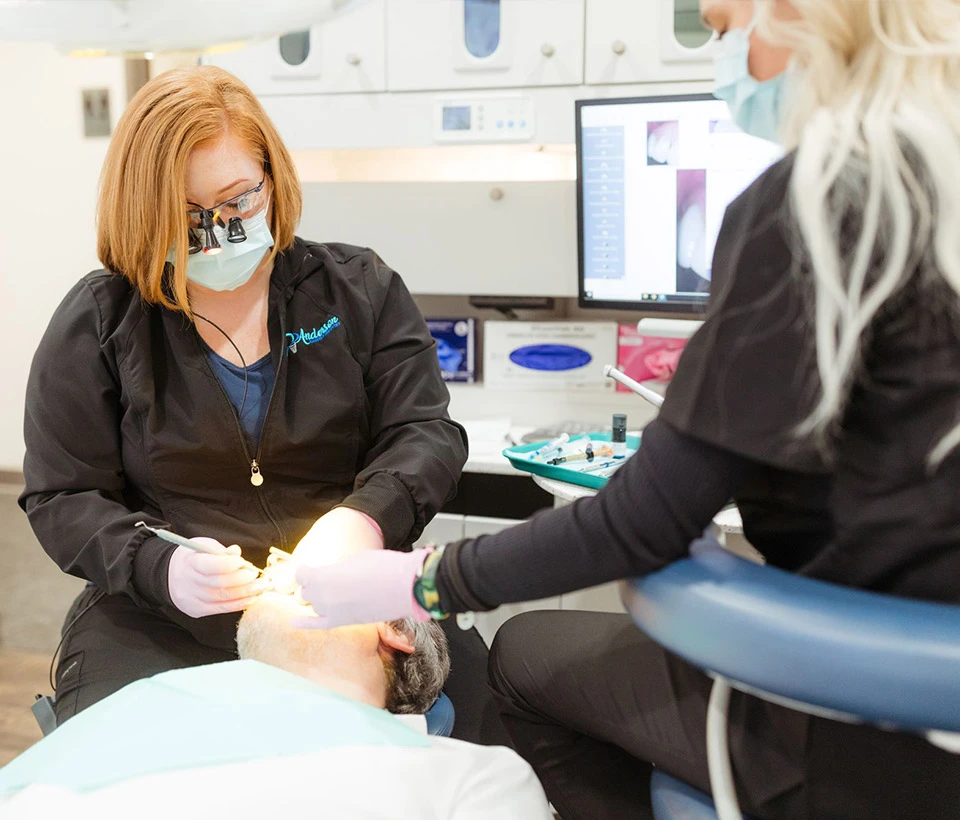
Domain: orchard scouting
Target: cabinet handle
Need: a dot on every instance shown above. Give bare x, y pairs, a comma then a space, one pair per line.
353, 59
496, 194
619, 47
547, 50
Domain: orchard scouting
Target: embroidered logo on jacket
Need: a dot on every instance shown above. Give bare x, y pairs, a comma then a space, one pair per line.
309, 337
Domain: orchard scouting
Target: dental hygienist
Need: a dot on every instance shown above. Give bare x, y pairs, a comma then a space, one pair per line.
822, 393
225, 379
751, 75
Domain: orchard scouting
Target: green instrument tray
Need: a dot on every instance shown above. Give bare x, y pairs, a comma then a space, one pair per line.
519, 458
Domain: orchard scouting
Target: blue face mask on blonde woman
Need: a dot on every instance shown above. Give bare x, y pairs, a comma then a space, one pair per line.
751, 75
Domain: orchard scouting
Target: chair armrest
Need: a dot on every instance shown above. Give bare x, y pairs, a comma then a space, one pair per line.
885, 660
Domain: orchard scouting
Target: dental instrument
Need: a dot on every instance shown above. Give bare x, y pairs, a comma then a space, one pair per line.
589, 455
609, 471
602, 465
550, 446
180, 541
651, 396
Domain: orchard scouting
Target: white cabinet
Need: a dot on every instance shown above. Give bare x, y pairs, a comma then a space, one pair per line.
489, 622
443, 529
344, 55
450, 237
636, 42
431, 44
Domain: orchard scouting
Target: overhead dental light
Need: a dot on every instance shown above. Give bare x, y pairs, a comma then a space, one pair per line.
137, 28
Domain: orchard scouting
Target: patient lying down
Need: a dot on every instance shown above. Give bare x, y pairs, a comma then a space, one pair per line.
399, 666
304, 711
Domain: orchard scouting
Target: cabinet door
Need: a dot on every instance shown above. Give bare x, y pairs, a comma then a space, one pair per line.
459, 44
443, 529
640, 42
604, 598
451, 237
489, 622
344, 55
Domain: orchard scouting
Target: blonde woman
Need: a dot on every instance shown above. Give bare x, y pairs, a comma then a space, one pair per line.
822, 393
226, 380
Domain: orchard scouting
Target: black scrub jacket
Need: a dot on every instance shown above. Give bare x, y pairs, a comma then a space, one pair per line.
125, 421
862, 509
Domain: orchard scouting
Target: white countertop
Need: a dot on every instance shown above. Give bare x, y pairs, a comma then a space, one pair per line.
488, 439
490, 463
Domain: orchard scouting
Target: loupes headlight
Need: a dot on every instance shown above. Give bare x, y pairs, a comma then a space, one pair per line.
211, 245
235, 231
228, 216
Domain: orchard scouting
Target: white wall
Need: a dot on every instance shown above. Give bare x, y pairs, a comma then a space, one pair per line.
47, 204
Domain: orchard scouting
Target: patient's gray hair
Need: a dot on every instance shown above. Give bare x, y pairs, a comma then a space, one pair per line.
414, 680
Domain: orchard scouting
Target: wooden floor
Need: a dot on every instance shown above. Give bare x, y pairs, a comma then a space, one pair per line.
22, 676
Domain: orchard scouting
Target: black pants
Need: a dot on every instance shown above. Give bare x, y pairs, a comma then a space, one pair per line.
593, 705
117, 642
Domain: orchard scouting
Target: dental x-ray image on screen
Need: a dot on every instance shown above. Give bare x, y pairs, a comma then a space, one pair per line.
654, 177
693, 267
663, 143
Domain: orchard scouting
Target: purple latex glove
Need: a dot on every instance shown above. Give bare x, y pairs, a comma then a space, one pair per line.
367, 587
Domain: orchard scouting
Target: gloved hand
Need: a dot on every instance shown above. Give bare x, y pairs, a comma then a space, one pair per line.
339, 533
367, 587
202, 584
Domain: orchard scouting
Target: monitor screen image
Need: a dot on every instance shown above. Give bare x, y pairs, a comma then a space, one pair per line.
654, 177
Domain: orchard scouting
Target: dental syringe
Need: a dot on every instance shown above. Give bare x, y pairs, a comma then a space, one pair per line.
550, 446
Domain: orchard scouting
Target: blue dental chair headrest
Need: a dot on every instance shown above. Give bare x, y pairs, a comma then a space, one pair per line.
440, 716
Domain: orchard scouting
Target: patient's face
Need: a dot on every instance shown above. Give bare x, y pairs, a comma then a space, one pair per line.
400, 666
265, 633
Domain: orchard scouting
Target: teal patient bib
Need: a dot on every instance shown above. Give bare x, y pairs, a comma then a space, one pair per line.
204, 716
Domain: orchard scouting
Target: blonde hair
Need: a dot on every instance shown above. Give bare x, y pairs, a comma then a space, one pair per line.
141, 212
874, 114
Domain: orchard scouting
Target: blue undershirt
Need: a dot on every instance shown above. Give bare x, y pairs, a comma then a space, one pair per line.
260, 377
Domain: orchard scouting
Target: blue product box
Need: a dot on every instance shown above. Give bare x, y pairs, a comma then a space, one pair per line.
456, 348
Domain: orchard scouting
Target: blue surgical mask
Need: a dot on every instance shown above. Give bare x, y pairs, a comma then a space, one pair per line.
236, 263
756, 107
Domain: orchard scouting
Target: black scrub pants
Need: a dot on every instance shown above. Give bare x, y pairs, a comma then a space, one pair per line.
117, 642
593, 705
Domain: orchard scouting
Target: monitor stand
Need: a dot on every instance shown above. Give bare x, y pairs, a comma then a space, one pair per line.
669, 328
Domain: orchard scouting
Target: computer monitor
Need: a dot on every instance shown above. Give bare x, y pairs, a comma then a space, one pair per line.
654, 177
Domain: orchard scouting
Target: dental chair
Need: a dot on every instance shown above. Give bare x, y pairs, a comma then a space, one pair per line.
440, 717
800, 643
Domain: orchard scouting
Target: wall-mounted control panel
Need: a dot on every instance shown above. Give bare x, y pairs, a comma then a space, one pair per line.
506, 118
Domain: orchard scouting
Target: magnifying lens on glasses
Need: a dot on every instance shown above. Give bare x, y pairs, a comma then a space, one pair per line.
205, 221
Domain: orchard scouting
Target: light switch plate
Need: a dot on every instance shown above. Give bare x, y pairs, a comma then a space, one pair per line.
96, 112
